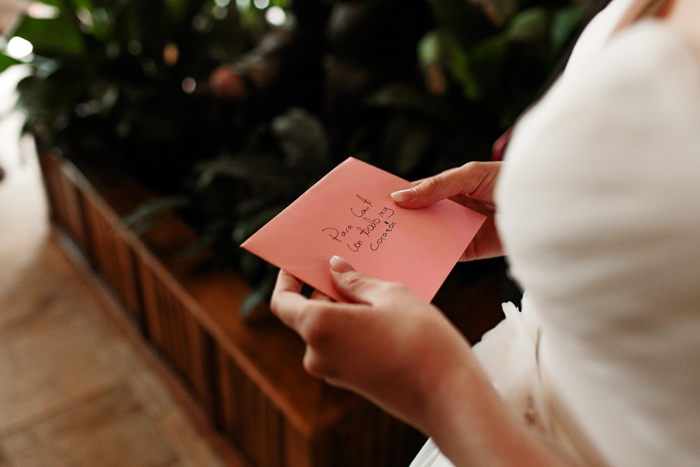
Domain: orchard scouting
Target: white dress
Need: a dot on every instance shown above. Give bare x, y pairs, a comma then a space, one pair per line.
599, 212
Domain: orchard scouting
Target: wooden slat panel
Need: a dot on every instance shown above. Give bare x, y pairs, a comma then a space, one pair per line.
367, 437
202, 363
50, 168
150, 303
249, 418
175, 331
230, 377
111, 252
73, 209
249, 378
297, 450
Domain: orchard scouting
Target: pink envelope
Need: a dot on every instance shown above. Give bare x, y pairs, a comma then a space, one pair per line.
350, 213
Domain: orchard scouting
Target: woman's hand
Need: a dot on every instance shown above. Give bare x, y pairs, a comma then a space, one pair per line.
387, 344
401, 353
471, 185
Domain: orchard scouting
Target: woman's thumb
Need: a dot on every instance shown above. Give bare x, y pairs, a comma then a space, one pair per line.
352, 285
474, 179
429, 191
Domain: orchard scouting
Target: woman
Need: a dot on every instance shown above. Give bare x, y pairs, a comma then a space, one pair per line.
599, 212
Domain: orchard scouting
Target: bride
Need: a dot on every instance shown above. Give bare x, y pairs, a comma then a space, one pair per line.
597, 206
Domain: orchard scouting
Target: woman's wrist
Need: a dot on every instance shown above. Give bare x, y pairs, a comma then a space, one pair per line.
472, 425
464, 401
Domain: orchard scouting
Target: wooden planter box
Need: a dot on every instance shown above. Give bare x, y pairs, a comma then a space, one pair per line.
248, 379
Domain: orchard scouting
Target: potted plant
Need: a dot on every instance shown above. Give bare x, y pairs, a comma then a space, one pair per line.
120, 87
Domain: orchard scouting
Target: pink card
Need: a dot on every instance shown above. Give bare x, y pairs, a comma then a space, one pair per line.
350, 213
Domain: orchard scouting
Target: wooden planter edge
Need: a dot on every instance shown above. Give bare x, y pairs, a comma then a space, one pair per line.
216, 358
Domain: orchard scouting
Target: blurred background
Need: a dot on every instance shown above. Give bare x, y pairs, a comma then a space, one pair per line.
225, 111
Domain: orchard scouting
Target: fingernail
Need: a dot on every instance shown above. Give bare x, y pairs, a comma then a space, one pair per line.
404, 195
338, 264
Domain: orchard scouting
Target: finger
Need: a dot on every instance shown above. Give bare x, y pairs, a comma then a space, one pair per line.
316, 365
287, 303
287, 283
316, 295
352, 285
475, 180
485, 244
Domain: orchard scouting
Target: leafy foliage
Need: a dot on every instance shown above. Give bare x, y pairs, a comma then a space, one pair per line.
126, 79
499, 67
6, 62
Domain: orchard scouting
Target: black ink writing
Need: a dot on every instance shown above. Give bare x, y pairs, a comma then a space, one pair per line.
366, 201
388, 212
385, 234
361, 214
335, 233
371, 225
364, 209
356, 246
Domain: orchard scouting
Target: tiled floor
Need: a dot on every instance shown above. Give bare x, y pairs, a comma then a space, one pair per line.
74, 389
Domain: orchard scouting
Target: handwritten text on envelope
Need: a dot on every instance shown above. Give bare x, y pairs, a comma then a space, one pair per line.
350, 213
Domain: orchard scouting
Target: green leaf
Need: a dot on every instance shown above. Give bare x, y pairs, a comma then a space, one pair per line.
252, 300
146, 216
176, 7
489, 60
245, 229
109, 98
443, 46
247, 208
253, 305
528, 25
87, 4
6, 62
301, 136
465, 20
414, 145
250, 266
460, 66
59, 36
504, 8
45, 99
201, 246
405, 97
429, 48
565, 23
250, 168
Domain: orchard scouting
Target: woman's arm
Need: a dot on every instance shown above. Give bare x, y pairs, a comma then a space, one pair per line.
401, 353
